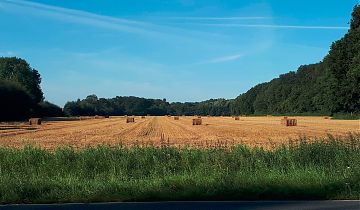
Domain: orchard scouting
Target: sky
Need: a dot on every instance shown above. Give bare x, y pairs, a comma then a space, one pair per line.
181, 50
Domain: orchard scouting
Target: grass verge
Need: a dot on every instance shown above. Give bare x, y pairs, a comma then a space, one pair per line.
326, 169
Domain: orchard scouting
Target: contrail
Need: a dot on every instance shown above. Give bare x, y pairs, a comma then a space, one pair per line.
78, 16
222, 59
218, 18
270, 26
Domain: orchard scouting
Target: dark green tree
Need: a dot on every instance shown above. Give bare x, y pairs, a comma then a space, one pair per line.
19, 71
15, 101
328, 87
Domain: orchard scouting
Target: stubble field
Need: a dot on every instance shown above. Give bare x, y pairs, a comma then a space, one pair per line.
157, 131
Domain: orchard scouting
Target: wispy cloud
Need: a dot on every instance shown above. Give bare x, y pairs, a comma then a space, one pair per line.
270, 26
223, 59
78, 16
218, 18
145, 28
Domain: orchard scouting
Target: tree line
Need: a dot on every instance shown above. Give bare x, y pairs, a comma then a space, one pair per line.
20, 92
130, 105
326, 88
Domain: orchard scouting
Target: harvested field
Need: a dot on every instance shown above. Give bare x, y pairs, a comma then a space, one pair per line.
157, 131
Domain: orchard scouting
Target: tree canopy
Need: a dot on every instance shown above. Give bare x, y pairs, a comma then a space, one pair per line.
330, 86
20, 91
15, 101
130, 105
19, 71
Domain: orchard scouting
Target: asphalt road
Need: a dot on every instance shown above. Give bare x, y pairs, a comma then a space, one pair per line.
232, 205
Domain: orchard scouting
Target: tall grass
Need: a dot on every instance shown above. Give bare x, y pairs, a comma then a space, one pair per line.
326, 169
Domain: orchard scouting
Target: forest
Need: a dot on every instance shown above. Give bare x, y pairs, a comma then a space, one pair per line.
130, 105
328, 87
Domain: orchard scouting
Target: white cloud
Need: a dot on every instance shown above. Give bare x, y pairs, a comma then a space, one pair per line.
144, 28
223, 59
219, 18
271, 26
78, 16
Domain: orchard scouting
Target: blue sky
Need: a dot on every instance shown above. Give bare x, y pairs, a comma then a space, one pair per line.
181, 50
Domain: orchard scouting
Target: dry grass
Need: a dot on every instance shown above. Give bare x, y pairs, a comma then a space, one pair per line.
157, 131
